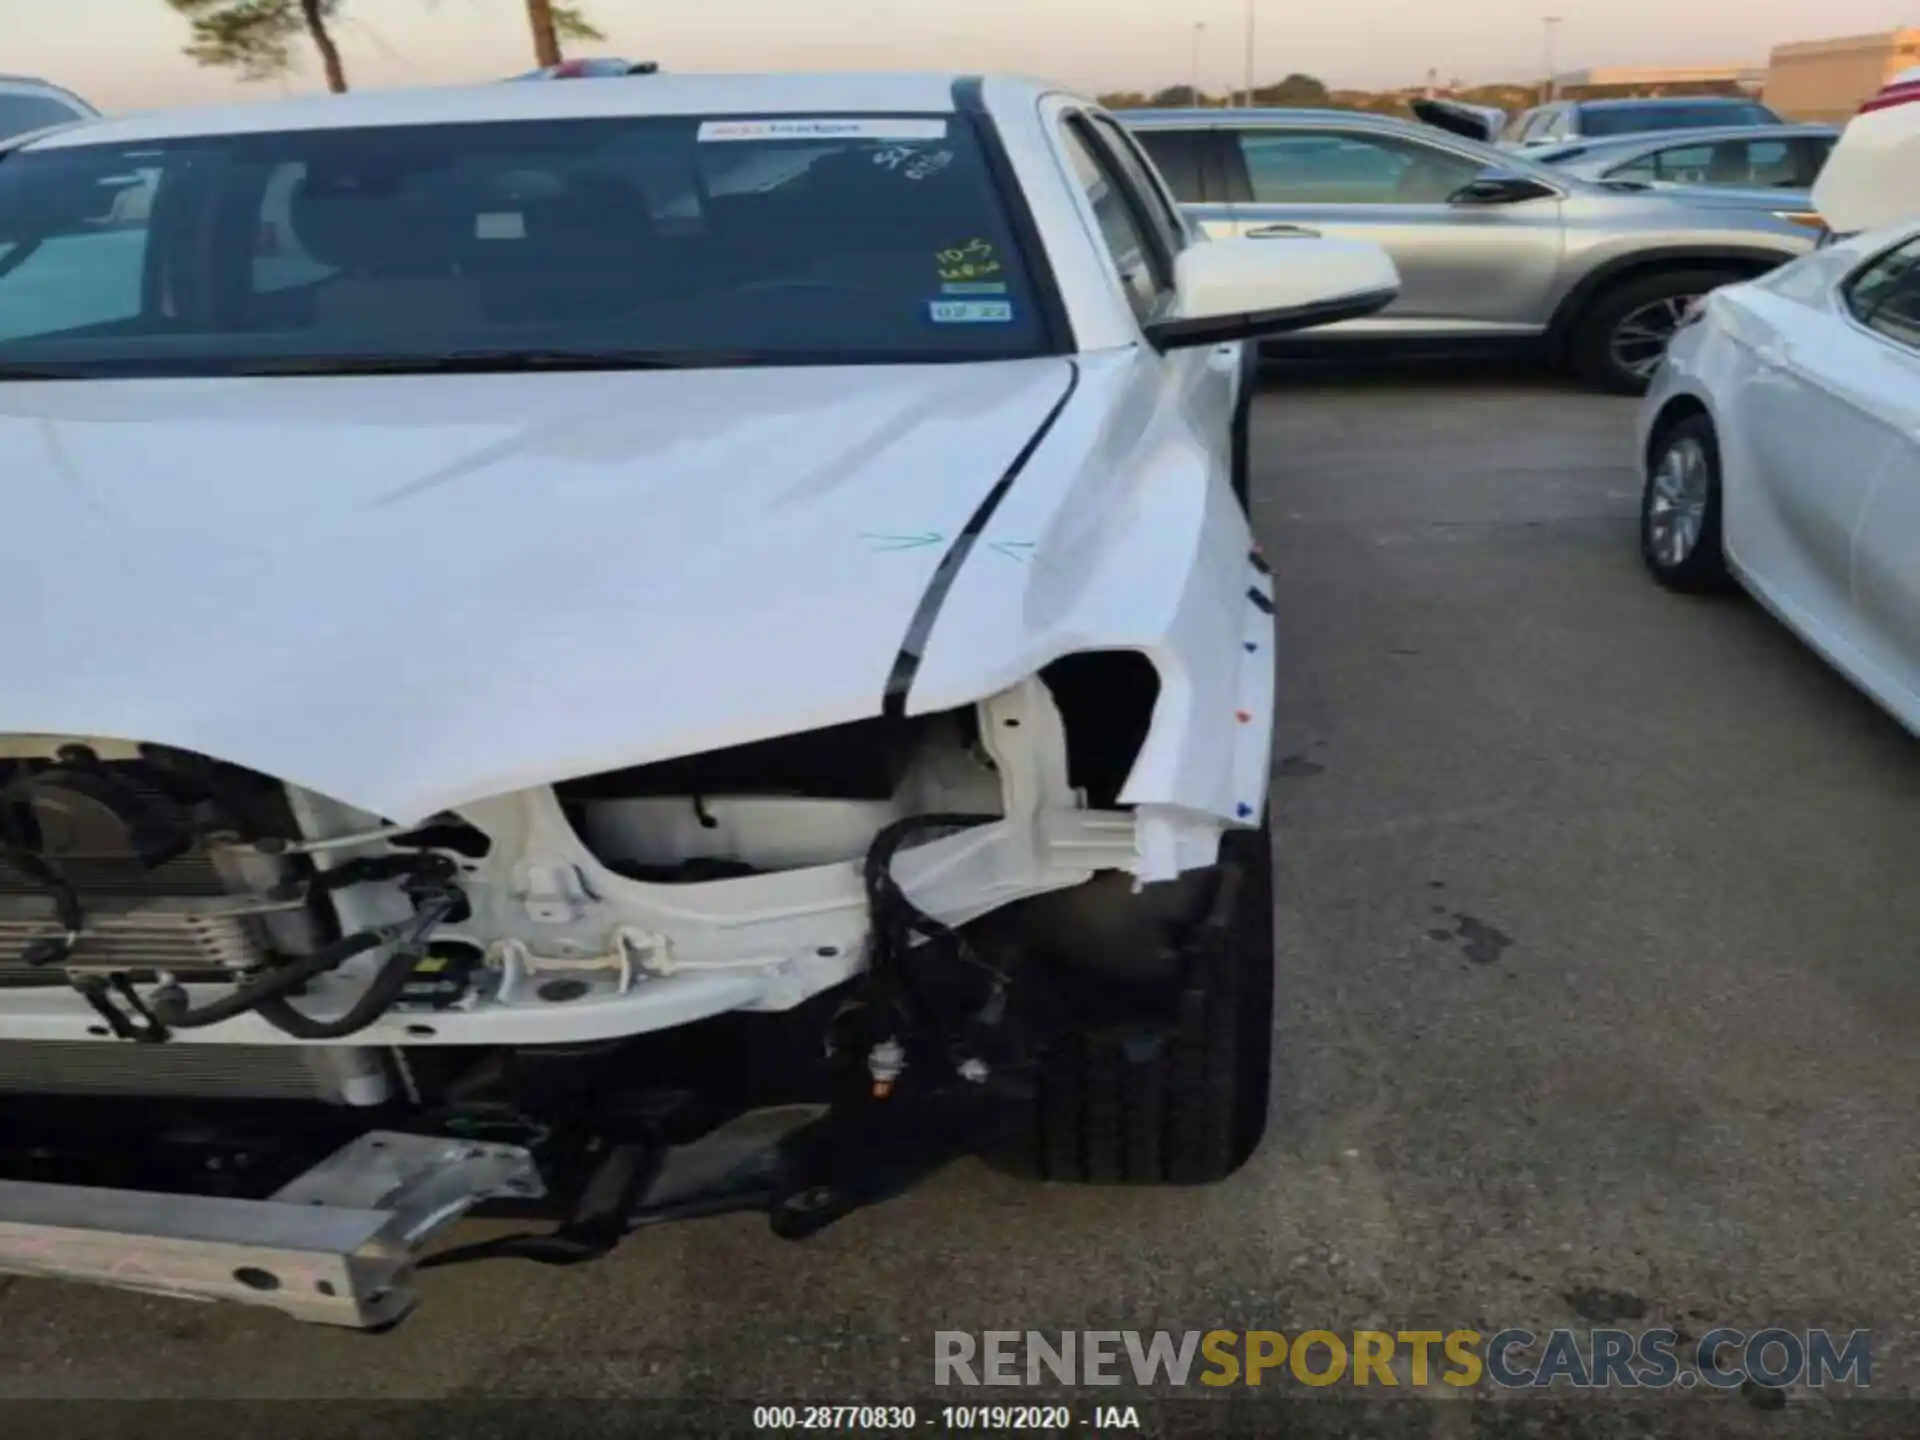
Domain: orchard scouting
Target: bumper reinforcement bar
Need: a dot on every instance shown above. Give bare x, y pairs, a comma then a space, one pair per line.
336, 1246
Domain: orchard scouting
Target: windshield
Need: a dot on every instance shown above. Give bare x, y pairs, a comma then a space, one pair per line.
1635, 119
690, 240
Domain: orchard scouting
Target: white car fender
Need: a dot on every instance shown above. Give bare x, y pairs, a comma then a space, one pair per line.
1122, 537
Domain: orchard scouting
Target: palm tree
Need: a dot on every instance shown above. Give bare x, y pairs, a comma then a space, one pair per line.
314, 15
254, 37
552, 22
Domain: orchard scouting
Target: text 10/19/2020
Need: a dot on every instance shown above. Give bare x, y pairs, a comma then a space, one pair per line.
947, 1417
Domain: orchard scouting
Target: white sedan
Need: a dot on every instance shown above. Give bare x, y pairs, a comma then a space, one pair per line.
1781, 439
738, 589
1782, 450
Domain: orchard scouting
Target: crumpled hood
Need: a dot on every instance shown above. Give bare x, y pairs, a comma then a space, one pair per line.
407, 592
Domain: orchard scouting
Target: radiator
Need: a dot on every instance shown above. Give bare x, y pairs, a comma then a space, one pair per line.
189, 874
338, 1074
190, 937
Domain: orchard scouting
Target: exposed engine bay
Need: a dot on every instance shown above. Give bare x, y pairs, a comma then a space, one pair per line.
152, 895
551, 999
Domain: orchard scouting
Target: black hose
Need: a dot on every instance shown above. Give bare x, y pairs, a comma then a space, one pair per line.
374, 1002
172, 1010
896, 920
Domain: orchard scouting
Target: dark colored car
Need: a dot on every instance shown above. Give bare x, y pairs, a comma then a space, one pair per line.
28, 104
1565, 121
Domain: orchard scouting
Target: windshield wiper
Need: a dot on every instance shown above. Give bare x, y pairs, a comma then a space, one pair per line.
458, 362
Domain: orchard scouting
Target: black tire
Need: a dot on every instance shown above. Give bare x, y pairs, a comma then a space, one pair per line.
1699, 566
1179, 1096
1591, 352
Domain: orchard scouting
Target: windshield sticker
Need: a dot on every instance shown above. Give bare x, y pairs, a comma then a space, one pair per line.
970, 312
913, 163
974, 260
500, 225
973, 287
876, 127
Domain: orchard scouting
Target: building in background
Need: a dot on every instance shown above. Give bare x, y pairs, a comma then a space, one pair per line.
1628, 83
1829, 79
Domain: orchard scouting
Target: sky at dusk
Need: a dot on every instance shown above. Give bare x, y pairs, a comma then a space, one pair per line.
125, 54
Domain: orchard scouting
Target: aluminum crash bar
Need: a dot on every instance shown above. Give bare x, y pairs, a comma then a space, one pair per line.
336, 1246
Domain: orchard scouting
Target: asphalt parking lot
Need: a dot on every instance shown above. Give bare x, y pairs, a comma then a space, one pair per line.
1599, 996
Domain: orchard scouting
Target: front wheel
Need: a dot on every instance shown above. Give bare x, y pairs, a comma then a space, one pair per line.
1622, 339
1680, 508
1164, 1079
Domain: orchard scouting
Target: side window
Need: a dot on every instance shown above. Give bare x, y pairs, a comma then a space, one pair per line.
1757, 163
1180, 157
1125, 237
1680, 164
1161, 214
1332, 167
1772, 163
1809, 155
1556, 124
1521, 124
1886, 295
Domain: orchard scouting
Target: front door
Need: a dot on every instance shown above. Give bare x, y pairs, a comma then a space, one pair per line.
1188, 159
1144, 231
1465, 269
1820, 418
1886, 554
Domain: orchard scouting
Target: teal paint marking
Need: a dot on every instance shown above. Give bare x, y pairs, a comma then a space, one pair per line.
1021, 550
901, 542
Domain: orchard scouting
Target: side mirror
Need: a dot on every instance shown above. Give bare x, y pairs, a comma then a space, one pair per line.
1246, 289
1498, 189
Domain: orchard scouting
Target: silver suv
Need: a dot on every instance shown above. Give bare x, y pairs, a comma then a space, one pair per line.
1492, 248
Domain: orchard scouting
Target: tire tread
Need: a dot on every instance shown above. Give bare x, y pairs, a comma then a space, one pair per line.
1187, 1105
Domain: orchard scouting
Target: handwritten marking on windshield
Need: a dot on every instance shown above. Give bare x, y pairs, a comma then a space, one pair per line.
974, 260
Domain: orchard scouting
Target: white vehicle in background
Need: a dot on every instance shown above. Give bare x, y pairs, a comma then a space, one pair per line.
1781, 438
28, 104
1868, 179
615, 671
